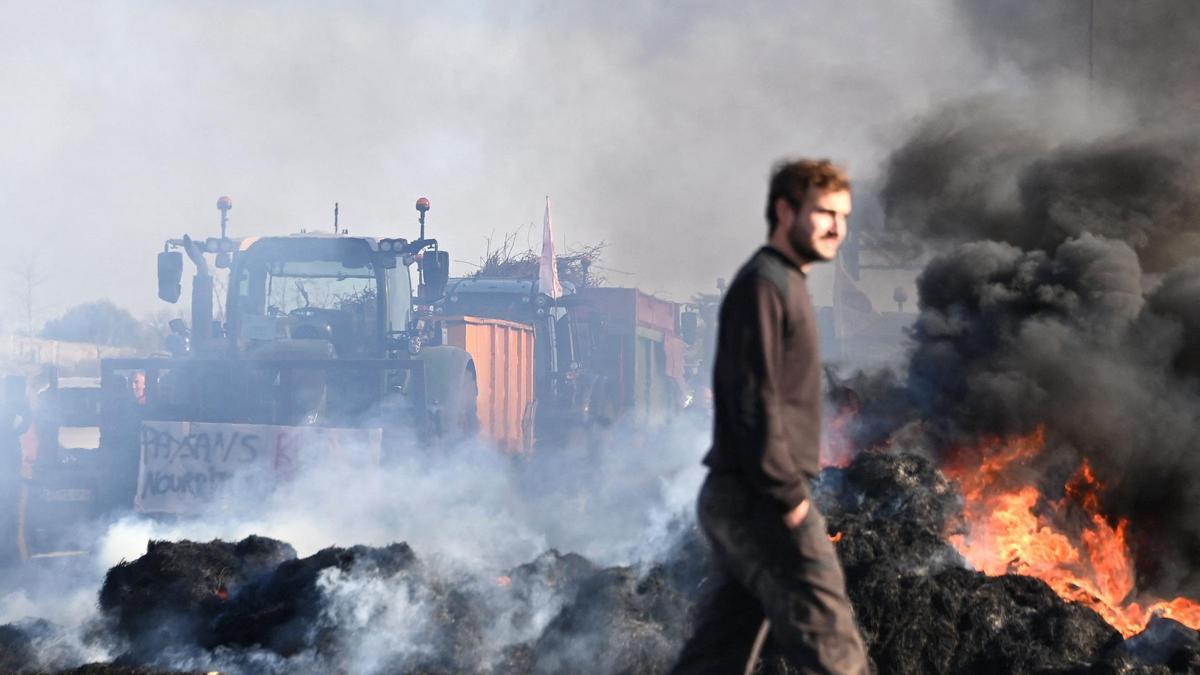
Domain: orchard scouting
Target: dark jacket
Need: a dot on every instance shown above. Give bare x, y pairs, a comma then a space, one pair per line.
767, 381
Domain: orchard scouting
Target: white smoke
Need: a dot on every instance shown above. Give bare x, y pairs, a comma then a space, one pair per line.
381, 623
467, 511
56, 605
468, 505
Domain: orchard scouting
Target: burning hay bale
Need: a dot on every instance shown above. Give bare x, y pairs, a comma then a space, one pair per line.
172, 594
538, 586
892, 511
277, 611
960, 621
923, 612
618, 622
255, 595
357, 609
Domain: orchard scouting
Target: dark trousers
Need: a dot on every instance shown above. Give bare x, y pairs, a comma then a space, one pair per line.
791, 577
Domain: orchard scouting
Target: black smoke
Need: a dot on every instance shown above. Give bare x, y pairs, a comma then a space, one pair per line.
1062, 291
986, 169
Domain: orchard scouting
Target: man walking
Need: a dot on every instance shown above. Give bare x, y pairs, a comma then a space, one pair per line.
776, 565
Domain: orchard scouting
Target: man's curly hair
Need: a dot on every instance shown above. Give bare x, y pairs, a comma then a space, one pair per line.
791, 179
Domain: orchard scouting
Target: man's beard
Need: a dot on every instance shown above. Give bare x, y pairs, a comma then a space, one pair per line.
804, 248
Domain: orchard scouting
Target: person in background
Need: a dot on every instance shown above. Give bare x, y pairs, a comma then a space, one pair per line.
137, 384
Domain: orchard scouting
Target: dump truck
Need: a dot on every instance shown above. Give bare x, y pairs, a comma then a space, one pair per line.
639, 340
600, 353
327, 348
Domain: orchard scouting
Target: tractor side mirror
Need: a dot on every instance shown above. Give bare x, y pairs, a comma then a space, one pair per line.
170, 274
435, 271
689, 327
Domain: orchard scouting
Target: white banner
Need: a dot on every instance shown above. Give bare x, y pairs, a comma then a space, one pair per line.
185, 466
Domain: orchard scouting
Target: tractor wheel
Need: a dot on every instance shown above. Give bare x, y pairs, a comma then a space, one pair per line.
452, 390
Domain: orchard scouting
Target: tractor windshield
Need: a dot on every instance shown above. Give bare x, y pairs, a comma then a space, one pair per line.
308, 288
320, 284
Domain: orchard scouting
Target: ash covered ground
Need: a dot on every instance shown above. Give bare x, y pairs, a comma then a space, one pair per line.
256, 606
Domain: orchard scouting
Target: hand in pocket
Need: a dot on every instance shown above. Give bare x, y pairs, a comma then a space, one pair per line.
794, 518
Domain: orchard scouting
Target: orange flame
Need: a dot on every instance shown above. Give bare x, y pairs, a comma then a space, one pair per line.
837, 448
1013, 529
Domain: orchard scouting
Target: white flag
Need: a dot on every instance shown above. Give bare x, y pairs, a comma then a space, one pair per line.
547, 268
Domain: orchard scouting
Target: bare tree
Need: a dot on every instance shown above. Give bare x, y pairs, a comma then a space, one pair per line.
28, 275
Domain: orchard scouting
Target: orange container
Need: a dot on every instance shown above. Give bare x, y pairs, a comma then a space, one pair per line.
503, 356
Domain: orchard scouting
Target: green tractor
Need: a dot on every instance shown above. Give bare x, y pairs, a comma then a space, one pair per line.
324, 345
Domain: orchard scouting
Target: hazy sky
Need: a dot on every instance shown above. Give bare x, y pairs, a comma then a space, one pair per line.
651, 128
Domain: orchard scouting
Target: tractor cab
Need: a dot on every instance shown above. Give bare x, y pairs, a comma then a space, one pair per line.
346, 297
309, 295
306, 317
336, 294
